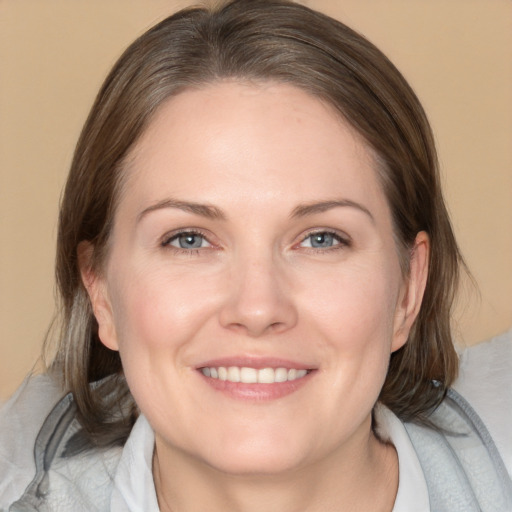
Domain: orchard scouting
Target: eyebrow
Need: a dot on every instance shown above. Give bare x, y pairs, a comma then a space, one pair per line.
204, 210
214, 213
323, 206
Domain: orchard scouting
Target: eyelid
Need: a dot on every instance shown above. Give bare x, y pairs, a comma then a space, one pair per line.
166, 240
343, 239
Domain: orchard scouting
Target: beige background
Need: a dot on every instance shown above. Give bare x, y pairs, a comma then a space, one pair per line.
457, 54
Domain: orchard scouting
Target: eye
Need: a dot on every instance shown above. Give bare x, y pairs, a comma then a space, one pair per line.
323, 240
187, 240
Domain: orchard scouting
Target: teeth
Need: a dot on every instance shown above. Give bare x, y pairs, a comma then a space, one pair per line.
252, 375
248, 375
233, 374
281, 375
223, 373
266, 376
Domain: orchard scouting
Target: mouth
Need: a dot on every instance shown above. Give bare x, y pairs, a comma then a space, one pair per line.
248, 375
255, 379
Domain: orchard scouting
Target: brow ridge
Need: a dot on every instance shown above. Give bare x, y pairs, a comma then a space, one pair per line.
214, 213
304, 210
204, 210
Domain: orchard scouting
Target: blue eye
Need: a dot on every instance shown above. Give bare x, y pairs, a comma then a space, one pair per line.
322, 240
188, 240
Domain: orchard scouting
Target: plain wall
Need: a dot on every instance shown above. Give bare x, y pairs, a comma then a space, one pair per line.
54, 54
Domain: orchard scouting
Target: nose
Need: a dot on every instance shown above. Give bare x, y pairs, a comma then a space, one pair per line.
259, 299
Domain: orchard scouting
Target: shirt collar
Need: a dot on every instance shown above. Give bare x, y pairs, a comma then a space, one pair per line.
134, 488
412, 493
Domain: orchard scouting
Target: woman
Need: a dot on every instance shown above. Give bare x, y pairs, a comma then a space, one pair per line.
256, 269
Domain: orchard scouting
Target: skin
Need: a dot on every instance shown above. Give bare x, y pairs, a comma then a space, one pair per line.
257, 154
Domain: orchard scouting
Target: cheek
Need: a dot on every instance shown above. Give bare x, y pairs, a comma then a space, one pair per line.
355, 305
351, 322
349, 318
156, 312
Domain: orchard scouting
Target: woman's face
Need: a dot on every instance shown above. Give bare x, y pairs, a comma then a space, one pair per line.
253, 243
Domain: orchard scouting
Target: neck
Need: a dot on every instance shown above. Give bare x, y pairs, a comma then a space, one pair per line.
366, 479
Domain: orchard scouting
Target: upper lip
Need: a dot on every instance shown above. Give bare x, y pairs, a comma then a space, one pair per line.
255, 362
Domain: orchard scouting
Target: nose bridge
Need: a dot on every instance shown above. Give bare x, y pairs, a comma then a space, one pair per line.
259, 299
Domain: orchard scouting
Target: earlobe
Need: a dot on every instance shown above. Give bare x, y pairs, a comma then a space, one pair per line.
98, 295
413, 290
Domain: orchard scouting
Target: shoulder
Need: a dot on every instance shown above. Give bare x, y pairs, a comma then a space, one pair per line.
39, 471
21, 419
466, 450
485, 381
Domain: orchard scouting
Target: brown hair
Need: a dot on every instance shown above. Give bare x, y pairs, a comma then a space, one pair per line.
257, 40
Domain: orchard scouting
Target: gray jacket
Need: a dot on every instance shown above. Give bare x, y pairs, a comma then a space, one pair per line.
452, 467
462, 467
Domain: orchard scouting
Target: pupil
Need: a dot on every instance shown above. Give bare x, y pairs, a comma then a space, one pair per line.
188, 241
322, 240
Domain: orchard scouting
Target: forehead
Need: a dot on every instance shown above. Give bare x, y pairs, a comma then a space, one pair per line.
274, 139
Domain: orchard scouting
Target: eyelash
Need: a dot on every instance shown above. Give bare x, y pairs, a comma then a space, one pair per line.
342, 241
167, 239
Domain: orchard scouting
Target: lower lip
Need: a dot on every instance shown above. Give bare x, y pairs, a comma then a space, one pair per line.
257, 392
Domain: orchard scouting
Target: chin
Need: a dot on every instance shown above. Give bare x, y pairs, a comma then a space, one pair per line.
251, 464
257, 455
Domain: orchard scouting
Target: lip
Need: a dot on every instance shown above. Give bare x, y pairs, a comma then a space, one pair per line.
256, 392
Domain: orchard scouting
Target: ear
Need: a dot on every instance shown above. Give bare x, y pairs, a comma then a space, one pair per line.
98, 295
411, 295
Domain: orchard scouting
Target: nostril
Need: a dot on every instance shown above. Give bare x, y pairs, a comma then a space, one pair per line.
275, 326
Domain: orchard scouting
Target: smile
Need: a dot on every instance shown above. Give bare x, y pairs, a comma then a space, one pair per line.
247, 375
